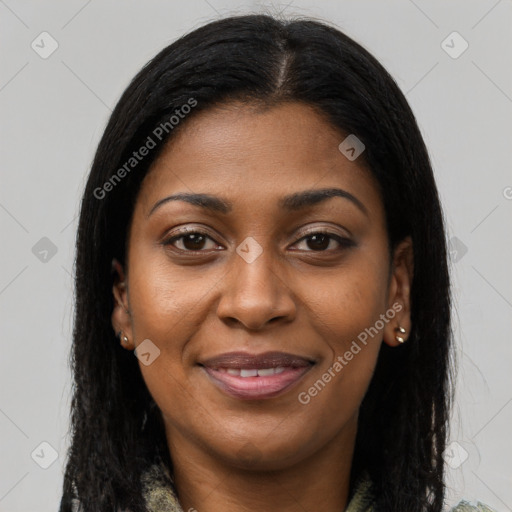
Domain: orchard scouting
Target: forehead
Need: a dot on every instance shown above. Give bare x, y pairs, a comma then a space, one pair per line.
247, 153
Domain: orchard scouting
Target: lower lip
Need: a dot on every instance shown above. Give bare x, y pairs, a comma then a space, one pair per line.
256, 388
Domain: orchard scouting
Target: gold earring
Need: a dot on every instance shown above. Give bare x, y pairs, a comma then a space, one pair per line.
122, 337
401, 330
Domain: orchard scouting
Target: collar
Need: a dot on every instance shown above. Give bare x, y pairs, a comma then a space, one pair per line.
161, 496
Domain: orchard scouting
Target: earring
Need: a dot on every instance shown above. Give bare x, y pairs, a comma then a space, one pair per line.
401, 330
122, 337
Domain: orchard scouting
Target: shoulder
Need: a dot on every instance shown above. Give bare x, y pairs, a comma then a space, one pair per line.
464, 506
363, 499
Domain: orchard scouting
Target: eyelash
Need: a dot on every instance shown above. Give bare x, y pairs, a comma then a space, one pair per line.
344, 242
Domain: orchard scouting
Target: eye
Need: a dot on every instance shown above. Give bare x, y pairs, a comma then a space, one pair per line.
191, 241
319, 241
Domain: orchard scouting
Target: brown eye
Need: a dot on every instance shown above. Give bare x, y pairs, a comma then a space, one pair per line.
320, 241
191, 241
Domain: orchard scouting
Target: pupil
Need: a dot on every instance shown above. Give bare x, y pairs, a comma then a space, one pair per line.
323, 238
194, 240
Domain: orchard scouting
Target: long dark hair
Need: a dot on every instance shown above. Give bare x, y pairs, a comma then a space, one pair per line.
116, 428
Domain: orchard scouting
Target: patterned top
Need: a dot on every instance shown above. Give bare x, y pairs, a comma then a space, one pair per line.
160, 494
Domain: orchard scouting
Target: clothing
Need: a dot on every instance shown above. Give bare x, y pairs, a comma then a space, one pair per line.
161, 496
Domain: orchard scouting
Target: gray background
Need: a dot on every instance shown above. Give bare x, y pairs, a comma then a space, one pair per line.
53, 111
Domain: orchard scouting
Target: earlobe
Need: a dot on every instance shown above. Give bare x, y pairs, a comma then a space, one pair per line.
398, 329
121, 317
124, 340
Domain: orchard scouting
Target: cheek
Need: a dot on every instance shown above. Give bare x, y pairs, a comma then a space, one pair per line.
344, 314
346, 309
165, 299
168, 308
347, 302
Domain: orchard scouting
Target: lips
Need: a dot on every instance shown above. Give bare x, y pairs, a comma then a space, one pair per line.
256, 376
244, 360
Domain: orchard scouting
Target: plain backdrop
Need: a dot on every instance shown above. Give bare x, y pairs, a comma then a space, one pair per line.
451, 59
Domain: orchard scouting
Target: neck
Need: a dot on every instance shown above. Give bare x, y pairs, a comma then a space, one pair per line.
207, 483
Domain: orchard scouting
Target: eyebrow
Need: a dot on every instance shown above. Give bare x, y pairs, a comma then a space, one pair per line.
292, 202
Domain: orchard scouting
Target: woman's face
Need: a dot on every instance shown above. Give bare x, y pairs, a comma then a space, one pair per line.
265, 267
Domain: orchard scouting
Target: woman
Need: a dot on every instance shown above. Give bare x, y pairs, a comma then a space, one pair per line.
262, 229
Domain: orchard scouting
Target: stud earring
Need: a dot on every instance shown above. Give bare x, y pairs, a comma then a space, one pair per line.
122, 337
401, 330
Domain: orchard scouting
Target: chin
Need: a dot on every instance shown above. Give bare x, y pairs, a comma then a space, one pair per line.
266, 452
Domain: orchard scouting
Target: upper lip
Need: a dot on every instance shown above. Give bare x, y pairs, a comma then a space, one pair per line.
245, 360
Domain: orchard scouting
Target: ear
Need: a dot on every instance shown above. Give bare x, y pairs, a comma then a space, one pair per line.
121, 318
399, 299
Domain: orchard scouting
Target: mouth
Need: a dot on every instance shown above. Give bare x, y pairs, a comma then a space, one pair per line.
256, 377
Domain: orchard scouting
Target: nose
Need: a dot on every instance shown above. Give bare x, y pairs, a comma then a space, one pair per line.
254, 294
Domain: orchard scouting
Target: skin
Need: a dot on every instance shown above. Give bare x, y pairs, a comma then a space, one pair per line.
298, 296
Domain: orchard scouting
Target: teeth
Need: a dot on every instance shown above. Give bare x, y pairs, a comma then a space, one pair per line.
263, 372
253, 372
248, 373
